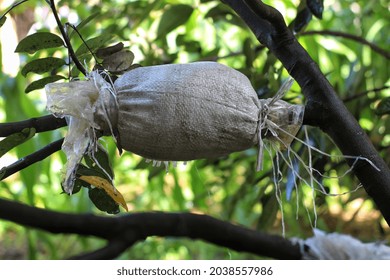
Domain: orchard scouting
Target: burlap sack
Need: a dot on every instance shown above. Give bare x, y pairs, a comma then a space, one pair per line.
181, 112
175, 112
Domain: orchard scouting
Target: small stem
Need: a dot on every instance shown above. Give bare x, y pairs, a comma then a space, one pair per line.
82, 39
66, 39
361, 40
364, 93
10, 8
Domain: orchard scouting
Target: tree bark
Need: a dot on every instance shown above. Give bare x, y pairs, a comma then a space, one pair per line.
122, 232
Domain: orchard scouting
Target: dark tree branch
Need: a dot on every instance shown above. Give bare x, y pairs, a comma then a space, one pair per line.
111, 251
66, 38
123, 231
41, 124
323, 107
31, 159
361, 40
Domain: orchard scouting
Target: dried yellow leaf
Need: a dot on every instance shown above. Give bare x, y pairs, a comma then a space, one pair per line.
102, 183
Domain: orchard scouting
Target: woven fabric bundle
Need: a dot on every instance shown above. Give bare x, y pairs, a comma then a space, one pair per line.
336, 246
181, 112
174, 112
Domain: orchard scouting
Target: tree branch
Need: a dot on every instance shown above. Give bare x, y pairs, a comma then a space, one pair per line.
66, 38
111, 251
31, 159
323, 108
352, 37
124, 231
41, 124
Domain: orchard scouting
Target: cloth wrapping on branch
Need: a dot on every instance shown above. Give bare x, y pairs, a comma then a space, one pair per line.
336, 246
174, 112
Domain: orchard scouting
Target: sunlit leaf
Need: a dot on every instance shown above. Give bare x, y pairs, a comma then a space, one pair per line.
42, 82
104, 184
172, 18
15, 140
42, 65
39, 41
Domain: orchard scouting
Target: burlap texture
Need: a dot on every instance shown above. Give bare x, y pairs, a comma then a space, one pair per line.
181, 112
336, 246
175, 112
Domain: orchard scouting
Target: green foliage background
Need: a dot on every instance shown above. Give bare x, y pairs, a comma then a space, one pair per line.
179, 31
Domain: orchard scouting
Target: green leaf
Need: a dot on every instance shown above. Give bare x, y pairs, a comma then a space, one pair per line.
42, 82
15, 140
383, 107
173, 17
78, 184
42, 65
39, 41
106, 52
92, 44
100, 161
2, 20
83, 170
118, 62
103, 201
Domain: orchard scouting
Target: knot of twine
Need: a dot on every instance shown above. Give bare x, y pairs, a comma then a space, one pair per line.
273, 114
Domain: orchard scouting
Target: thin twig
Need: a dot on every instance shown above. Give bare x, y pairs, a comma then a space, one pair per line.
14, 5
41, 124
84, 42
66, 38
361, 40
364, 93
31, 159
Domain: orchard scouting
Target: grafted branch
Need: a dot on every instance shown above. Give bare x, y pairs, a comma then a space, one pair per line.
123, 231
323, 107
